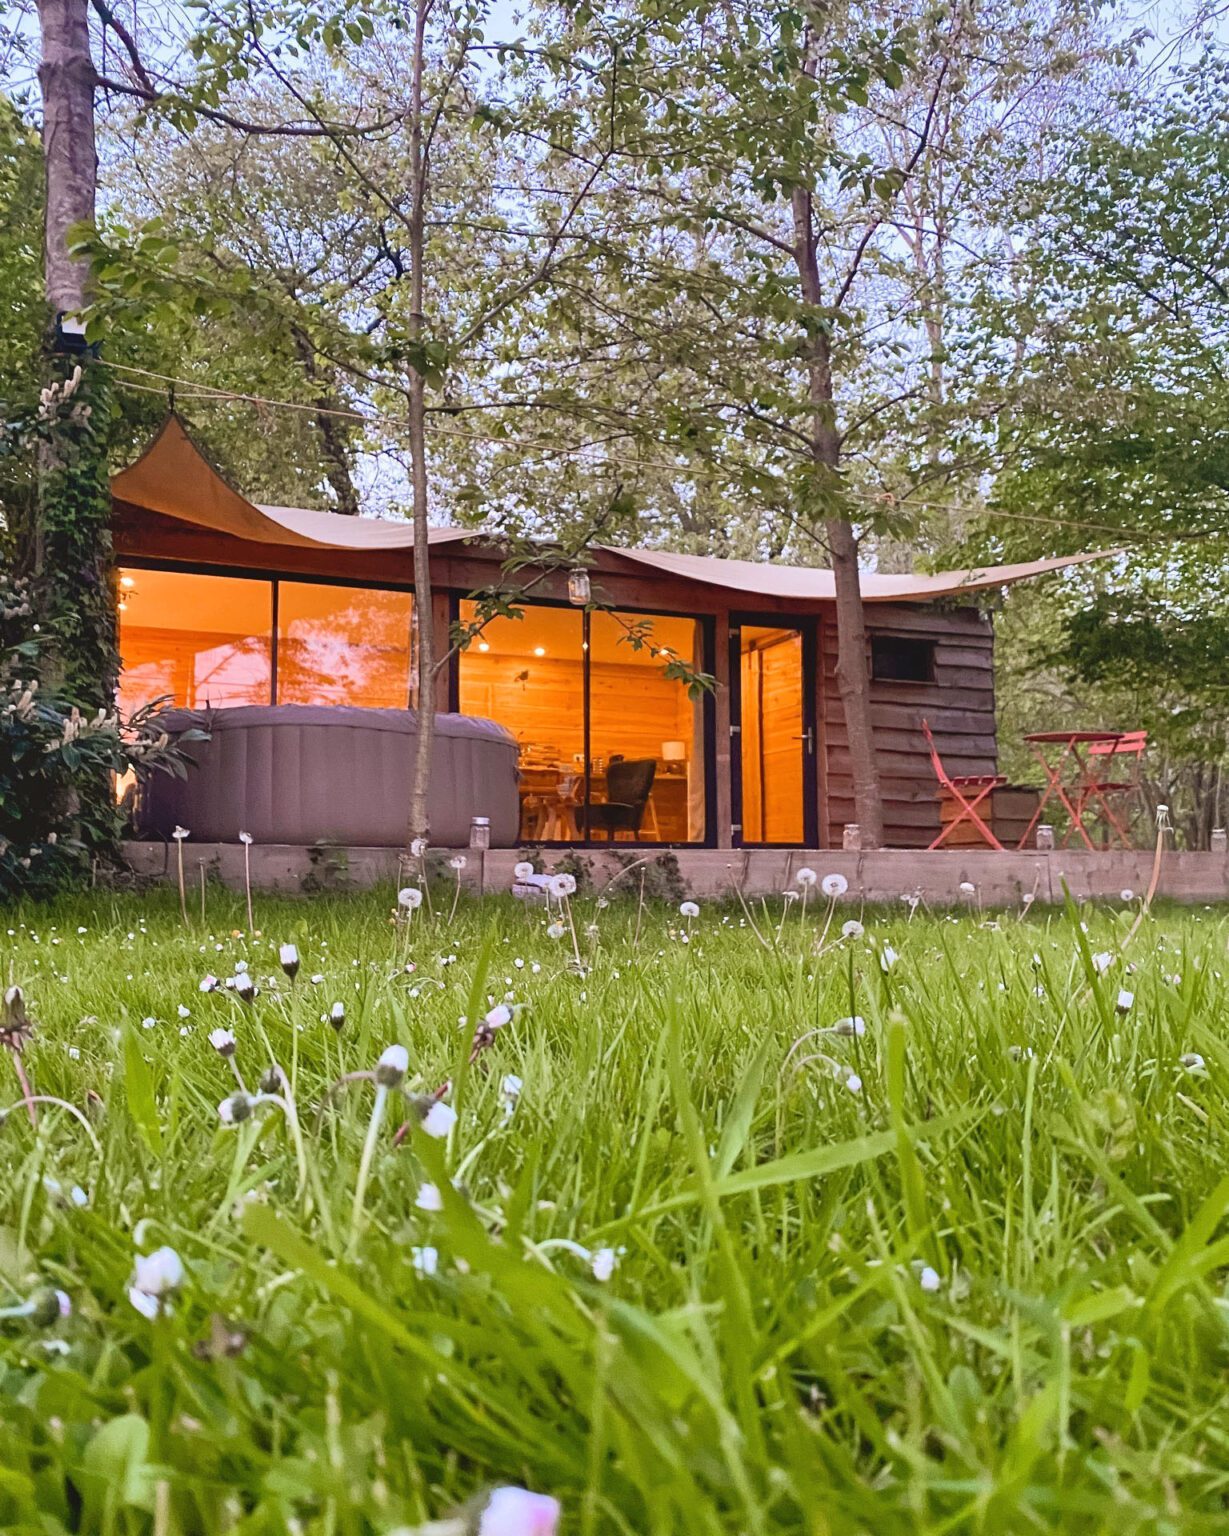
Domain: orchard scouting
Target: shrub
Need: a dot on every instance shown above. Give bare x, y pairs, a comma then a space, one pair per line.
57, 809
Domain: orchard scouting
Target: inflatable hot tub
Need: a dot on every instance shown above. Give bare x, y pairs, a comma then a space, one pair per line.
307, 773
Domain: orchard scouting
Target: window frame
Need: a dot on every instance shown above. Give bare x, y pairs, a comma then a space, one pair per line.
708, 650
894, 637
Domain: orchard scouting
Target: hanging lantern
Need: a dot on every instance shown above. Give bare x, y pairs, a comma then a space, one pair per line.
579, 591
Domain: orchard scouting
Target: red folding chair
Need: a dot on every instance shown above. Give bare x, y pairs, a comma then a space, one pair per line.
968, 789
1096, 785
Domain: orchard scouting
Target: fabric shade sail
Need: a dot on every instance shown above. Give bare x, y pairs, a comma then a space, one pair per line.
174, 478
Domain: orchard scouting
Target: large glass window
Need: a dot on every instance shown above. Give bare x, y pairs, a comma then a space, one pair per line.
204, 640
646, 733
528, 674
645, 773
343, 645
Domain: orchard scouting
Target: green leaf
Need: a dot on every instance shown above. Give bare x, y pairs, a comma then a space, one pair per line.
139, 1092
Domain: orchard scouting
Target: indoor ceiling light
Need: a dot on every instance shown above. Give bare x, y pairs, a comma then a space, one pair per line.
539, 650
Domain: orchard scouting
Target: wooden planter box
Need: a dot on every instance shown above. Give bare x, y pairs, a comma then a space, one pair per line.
1006, 811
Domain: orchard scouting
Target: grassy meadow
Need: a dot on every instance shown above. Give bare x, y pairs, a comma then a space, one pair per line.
741, 1224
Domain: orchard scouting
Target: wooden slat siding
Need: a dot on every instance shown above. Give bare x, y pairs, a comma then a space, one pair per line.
959, 704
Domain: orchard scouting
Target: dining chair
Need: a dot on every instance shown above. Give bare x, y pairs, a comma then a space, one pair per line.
967, 789
1098, 783
628, 787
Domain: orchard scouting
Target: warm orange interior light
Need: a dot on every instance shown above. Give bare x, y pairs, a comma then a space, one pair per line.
529, 674
202, 640
343, 645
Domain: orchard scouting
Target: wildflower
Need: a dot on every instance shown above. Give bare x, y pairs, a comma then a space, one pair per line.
1127, 895
523, 870
928, 1278
457, 862
603, 1262
806, 876
429, 1198
180, 833
50, 1306
209, 984
555, 931
967, 888
418, 847
288, 955
426, 1260
184, 1013
517, 1512
155, 1276
500, 1015
245, 837
834, 886
16, 1025
511, 1089
852, 929
392, 1066
1101, 962
689, 909
851, 1026
236, 1109
245, 987
1193, 1061
853, 1082
409, 897
337, 1015
1125, 999
439, 1119
1028, 898
887, 958
316, 978
223, 1041
562, 885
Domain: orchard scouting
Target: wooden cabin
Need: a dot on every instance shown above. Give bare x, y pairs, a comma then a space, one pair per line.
223, 602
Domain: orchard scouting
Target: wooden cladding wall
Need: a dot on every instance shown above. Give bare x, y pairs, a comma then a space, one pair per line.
958, 703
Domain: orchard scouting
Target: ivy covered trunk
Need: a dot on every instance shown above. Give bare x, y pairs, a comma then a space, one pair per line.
72, 561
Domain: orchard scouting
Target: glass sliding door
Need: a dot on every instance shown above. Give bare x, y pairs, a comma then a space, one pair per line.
646, 734
529, 675
343, 645
611, 748
771, 672
204, 641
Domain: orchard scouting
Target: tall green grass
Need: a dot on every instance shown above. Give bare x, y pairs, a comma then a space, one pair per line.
962, 1272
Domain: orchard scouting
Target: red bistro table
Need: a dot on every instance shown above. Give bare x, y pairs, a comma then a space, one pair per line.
1064, 770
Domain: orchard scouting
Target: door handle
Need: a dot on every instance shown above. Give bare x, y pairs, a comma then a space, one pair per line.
809, 737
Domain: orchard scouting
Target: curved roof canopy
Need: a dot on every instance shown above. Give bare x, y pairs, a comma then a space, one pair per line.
173, 477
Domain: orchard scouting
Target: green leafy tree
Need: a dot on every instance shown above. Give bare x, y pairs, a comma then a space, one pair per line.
1103, 346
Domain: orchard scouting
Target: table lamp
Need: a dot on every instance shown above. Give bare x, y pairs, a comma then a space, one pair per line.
674, 752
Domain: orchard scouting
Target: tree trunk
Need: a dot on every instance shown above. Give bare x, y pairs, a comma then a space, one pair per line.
72, 536
66, 77
852, 664
332, 434
853, 681
424, 611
